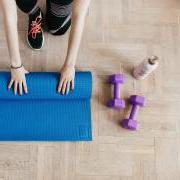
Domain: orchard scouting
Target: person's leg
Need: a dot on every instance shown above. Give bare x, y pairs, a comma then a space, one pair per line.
59, 16
35, 36
27, 6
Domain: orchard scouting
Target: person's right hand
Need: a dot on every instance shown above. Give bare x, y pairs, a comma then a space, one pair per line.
18, 80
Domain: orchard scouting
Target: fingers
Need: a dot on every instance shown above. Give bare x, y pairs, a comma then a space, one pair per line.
20, 88
65, 86
60, 85
18, 80
72, 84
10, 84
25, 86
15, 87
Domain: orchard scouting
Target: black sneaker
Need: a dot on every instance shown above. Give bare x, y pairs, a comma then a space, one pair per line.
35, 36
58, 16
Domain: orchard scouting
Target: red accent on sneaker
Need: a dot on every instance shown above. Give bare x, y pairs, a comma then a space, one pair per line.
35, 27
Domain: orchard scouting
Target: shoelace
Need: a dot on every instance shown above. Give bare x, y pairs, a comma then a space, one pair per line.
35, 27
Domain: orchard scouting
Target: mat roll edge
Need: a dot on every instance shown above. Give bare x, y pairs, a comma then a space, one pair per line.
44, 114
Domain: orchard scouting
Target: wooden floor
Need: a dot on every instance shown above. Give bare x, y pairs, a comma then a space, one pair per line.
117, 36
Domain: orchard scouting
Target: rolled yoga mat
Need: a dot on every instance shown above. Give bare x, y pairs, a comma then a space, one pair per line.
44, 114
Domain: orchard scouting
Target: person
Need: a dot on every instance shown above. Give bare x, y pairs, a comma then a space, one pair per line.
60, 15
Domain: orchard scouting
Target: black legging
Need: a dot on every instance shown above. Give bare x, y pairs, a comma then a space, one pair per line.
58, 12
26, 5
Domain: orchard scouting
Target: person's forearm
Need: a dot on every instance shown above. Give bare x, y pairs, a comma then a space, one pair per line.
79, 11
10, 21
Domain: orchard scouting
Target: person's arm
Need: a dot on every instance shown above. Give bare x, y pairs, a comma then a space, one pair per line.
10, 21
79, 12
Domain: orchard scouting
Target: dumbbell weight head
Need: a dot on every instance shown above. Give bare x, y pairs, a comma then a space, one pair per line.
117, 102
116, 78
137, 100
131, 123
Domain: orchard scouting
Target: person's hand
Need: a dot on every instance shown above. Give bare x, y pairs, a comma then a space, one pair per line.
67, 79
18, 80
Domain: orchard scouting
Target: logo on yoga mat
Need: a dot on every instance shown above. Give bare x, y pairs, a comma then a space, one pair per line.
84, 131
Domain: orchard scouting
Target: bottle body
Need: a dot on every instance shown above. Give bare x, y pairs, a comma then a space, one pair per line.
146, 67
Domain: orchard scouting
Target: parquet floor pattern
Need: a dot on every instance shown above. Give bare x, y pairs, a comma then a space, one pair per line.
117, 36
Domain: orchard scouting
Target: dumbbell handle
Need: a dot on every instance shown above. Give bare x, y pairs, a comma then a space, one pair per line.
134, 112
117, 91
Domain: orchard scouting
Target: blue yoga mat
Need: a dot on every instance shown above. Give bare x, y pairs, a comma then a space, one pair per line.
43, 114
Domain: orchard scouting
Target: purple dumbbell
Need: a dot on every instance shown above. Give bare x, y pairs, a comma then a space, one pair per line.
117, 80
131, 123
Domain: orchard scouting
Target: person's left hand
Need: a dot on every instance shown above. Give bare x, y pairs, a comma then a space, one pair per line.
67, 79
